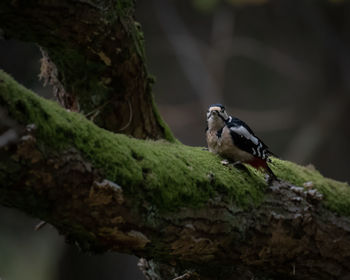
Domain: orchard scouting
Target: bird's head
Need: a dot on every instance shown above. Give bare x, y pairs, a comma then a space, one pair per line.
217, 111
216, 115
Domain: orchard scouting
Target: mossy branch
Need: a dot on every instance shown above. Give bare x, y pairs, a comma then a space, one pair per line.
166, 201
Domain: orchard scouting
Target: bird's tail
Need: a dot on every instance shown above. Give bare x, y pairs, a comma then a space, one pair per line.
261, 163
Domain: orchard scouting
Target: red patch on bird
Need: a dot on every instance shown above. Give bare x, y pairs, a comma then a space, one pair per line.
258, 163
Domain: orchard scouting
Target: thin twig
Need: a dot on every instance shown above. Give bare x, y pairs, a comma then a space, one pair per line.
187, 276
130, 117
93, 112
40, 225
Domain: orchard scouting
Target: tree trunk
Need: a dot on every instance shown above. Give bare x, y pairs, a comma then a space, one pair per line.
93, 55
176, 206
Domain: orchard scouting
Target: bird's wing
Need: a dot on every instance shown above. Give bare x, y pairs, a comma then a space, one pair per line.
244, 138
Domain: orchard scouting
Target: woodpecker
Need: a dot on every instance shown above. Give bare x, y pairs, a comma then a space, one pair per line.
233, 140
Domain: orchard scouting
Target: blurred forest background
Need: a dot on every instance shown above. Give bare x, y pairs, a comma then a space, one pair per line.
282, 66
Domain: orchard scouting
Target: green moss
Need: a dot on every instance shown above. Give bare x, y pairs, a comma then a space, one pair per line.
125, 7
169, 175
173, 175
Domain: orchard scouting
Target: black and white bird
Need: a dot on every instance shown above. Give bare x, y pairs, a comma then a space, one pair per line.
233, 140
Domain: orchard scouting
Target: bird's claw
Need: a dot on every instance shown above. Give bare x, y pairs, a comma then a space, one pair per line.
240, 165
236, 164
225, 162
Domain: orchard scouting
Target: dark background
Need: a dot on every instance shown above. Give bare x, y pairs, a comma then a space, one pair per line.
282, 66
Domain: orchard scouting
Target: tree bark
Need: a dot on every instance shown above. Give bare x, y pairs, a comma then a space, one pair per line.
176, 206
93, 55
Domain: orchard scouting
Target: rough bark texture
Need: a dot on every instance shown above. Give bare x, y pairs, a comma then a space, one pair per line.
93, 55
176, 206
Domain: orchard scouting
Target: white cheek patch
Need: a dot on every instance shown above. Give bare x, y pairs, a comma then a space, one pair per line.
224, 115
245, 133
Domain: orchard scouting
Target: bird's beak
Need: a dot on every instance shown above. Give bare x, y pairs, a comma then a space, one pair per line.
214, 110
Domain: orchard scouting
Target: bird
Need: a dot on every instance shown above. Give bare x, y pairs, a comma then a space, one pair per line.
234, 140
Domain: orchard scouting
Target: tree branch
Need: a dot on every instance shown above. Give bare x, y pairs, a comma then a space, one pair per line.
175, 206
168, 202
